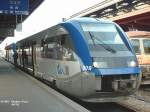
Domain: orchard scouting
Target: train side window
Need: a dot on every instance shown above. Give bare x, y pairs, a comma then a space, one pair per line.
59, 47
51, 50
136, 45
146, 44
48, 50
68, 53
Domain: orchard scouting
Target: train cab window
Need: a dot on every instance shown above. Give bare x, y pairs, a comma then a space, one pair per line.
136, 45
146, 44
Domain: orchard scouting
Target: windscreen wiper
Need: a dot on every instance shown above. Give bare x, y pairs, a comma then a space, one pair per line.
104, 45
92, 38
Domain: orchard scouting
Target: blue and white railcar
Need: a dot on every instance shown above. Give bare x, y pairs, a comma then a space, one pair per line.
91, 59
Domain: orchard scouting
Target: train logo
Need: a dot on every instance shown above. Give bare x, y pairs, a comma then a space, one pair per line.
60, 69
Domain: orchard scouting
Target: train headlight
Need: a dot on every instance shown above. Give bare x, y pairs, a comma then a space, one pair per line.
96, 64
99, 64
132, 63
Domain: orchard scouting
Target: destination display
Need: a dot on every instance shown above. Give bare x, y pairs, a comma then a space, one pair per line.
14, 7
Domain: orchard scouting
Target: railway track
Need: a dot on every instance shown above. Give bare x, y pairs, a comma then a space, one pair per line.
105, 107
140, 101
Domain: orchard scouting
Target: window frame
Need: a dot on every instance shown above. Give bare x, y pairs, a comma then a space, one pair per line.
144, 46
140, 50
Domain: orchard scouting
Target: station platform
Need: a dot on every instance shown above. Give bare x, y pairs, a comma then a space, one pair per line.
20, 92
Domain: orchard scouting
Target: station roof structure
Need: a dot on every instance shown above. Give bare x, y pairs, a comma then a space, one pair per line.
138, 34
8, 22
129, 14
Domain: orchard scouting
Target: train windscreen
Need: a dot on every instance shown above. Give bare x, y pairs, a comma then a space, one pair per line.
103, 36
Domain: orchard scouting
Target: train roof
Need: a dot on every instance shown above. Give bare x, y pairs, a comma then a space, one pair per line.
138, 34
89, 19
52, 30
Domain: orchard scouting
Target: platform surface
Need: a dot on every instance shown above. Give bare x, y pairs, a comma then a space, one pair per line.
20, 92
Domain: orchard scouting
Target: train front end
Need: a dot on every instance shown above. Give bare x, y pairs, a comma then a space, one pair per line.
108, 63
